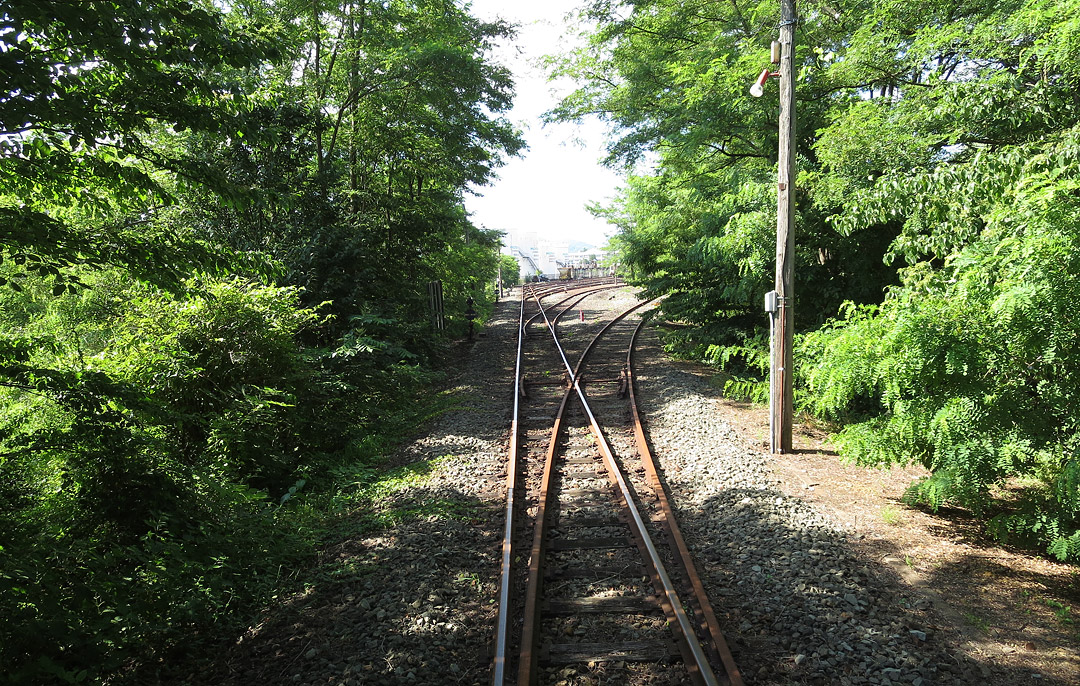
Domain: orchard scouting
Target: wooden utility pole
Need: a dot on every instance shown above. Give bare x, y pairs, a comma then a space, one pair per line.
781, 388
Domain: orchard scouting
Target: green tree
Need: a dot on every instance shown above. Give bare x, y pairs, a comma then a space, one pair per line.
398, 115
964, 367
164, 409
89, 86
510, 269
935, 180
699, 227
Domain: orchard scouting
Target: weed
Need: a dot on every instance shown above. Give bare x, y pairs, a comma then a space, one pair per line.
470, 579
890, 515
1062, 611
977, 621
346, 569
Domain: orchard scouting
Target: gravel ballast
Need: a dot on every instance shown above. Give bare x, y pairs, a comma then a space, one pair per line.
414, 603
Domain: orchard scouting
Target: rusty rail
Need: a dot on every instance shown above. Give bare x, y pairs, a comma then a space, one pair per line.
712, 627
687, 636
502, 630
699, 663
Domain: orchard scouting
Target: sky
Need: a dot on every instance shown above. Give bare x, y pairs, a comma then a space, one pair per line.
546, 190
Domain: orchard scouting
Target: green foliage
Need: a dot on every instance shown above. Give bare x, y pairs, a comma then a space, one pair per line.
891, 516
370, 134
510, 270
164, 460
147, 442
750, 362
385, 498
937, 176
969, 368
90, 84
1061, 610
700, 228
220, 221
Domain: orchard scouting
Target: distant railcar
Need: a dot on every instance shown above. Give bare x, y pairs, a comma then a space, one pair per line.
565, 273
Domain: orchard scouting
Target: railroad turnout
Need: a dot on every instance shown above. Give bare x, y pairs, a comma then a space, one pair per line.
595, 572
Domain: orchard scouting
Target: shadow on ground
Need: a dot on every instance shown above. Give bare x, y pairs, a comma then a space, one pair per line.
406, 604
802, 606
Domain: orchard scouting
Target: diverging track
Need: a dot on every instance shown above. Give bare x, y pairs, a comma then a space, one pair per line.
596, 579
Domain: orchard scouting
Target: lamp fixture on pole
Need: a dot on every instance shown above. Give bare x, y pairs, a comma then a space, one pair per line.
758, 89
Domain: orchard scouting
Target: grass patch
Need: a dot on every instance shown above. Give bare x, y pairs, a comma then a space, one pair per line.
347, 568
382, 499
890, 515
429, 511
376, 486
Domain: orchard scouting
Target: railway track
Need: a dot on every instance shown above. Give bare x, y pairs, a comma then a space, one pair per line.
596, 579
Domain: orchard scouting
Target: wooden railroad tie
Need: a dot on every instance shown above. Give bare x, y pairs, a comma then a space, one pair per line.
625, 651
628, 605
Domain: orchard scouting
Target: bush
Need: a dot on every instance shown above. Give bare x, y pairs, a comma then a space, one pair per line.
149, 443
972, 371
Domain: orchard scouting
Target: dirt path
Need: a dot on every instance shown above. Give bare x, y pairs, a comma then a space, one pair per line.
1001, 607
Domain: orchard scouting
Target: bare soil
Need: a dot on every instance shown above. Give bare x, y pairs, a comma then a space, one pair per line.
999, 605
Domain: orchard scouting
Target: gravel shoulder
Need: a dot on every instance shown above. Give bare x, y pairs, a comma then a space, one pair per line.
826, 577
817, 571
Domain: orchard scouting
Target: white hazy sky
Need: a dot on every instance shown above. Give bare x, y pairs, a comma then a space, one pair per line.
546, 190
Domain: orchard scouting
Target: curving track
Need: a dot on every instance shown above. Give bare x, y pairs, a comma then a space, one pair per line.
596, 577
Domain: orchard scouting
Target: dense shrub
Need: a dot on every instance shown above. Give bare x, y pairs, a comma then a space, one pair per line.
972, 369
152, 446
168, 441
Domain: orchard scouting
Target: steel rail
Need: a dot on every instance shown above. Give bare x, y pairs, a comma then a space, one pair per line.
567, 285
700, 661
547, 287
527, 660
580, 295
639, 536
502, 631
712, 627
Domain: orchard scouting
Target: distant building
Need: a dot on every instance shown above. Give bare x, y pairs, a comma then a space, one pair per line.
539, 256
529, 266
585, 258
